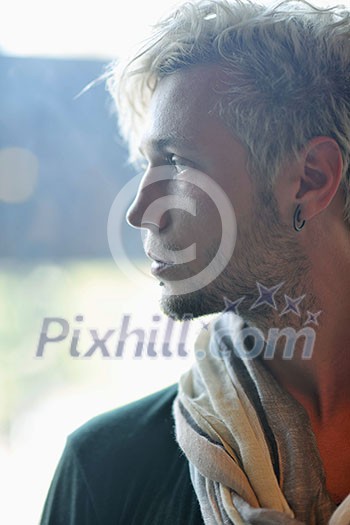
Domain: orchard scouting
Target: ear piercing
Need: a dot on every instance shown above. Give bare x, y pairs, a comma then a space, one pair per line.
298, 224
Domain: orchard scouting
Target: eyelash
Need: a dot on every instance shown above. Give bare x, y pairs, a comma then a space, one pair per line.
143, 163
170, 159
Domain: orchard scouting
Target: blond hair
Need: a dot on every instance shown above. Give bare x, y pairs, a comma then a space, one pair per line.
287, 75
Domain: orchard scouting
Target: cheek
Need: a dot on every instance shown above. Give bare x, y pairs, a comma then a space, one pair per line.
197, 220
206, 228
209, 219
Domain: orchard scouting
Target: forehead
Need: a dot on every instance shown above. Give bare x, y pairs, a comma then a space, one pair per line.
182, 105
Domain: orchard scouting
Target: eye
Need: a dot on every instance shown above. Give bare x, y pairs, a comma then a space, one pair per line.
179, 163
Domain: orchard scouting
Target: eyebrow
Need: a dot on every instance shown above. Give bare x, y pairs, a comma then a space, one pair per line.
164, 143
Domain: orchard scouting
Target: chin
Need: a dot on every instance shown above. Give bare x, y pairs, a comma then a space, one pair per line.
191, 305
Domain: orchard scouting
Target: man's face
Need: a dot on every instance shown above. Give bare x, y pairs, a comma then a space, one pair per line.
188, 143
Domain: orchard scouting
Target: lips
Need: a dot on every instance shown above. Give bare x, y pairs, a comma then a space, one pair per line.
159, 266
158, 259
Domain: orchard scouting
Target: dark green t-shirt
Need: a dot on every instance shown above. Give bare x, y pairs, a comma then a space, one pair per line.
124, 467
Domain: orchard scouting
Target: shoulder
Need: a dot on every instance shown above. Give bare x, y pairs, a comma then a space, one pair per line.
132, 465
117, 430
124, 466
127, 454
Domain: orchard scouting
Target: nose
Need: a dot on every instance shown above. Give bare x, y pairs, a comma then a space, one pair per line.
147, 210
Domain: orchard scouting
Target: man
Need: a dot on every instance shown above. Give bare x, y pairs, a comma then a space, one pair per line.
243, 113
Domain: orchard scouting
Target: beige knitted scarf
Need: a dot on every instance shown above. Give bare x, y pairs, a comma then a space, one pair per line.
252, 455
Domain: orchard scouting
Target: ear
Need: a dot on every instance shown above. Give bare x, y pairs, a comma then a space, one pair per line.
320, 177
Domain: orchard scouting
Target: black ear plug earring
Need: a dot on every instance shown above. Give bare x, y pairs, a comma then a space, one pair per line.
298, 224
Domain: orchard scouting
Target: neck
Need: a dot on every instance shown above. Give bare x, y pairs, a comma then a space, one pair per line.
322, 383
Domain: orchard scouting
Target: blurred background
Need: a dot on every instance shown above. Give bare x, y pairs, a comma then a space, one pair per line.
62, 165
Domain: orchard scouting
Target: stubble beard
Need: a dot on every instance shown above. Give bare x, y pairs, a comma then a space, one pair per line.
266, 252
